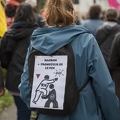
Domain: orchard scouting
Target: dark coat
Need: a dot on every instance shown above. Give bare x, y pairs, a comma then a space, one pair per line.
115, 63
40, 21
13, 51
1, 80
105, 35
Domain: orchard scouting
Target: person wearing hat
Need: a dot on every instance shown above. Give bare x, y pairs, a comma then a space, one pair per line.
10, 10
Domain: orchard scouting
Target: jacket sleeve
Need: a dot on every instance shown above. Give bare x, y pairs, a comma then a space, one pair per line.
5, 55
7, 48
1, 80
103, 83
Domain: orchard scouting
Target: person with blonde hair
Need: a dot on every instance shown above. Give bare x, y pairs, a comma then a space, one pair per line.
98, 104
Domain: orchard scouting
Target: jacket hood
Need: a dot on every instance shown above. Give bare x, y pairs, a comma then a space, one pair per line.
48, 40
109, 25
18, 32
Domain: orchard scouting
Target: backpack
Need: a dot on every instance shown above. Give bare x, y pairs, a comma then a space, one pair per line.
52, 80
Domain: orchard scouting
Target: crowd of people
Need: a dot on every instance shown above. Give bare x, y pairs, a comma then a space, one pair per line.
95, 47
106, 31
22, 19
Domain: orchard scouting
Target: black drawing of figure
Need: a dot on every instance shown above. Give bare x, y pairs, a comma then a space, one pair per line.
42, 88
51, 97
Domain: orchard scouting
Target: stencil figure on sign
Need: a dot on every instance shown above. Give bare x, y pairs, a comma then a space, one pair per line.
51, 97
41, 90
59, 73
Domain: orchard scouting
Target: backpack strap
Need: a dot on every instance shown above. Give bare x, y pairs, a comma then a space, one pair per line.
71, 54
69, 50
83, 86
97, 105
91, 82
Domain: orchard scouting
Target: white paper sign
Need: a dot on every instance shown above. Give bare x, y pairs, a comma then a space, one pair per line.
49, 82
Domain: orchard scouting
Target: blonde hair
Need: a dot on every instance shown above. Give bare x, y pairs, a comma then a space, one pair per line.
59, 13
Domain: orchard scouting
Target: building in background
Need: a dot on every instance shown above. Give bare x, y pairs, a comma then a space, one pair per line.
82, 6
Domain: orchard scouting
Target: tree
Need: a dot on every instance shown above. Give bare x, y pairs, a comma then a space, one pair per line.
40, 4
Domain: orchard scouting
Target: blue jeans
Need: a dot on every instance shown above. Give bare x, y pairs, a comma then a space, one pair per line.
23, 113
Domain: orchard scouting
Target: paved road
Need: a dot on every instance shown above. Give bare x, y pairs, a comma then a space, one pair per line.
9, 113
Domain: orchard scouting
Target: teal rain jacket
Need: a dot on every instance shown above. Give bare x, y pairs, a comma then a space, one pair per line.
88, 62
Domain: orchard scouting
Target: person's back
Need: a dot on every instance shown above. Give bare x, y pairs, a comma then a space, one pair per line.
94, 20
114, 65
88, 63
106, 33
14, 47
92, 25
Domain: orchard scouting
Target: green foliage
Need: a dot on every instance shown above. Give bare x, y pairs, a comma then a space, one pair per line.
5, 101
40, 4
4, 71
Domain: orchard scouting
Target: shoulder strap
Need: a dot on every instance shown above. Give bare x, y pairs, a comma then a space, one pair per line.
84, 85
68, 49
91, 82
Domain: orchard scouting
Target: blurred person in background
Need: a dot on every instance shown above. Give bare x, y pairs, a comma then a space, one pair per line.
10, 10
89, 62
40, 19
3, 29
42, 12
106, 33
114, 65
118, 17
93, 21
77, 19
103, 15
13, 51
